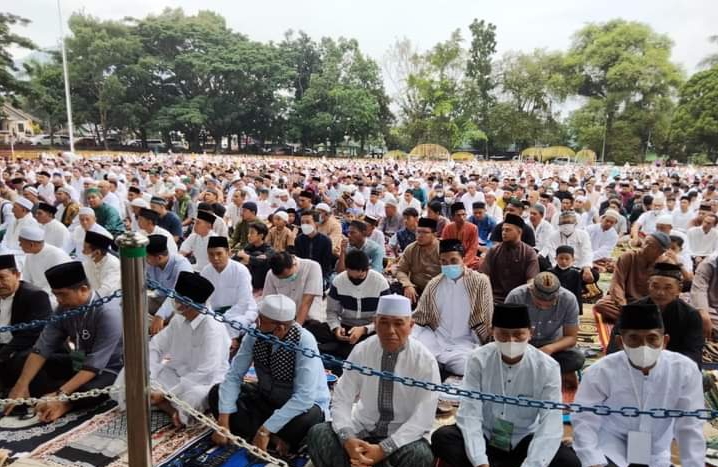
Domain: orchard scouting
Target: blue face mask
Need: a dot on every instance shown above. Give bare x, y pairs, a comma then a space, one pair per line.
291, 278
452, 271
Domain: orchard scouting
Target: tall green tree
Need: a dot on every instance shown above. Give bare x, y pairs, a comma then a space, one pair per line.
480, 82
9, 84
45, 95
712, 59
625, 66
695, 121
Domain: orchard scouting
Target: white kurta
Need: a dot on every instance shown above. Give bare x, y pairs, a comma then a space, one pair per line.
197, 245
187, 359
700, 243
674, 383
581, 243
104, 277
543, 233
78, 238
36, 265
535, 376
413, 409
681, 220
171, 244
453, 340
56, 234
233, 289
602, 241
11, 240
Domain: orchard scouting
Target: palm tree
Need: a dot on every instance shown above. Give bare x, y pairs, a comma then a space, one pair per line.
712, 59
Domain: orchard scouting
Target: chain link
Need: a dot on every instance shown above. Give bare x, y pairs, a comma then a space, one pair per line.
208, 422
703, 414
81, 310
62, 397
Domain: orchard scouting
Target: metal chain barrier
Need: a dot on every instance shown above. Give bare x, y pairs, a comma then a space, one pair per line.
210, 423
627, 411
62, 397
81, 310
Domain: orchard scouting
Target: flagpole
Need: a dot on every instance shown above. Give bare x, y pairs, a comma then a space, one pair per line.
68, 103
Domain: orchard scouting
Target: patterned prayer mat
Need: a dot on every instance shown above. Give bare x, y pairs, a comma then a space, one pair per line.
102, 442
23, 436
204, 453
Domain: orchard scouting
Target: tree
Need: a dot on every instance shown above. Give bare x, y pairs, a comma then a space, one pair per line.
45, 96
695, 121
479, 79
9, 84
625, 66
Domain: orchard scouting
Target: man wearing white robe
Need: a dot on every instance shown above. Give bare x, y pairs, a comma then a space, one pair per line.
232, 283
604, 236
454, 311
56, 234
510, 367
21, 209
189, 356
39, 257
376, 419
196, 243
87, 222
647, 376
101, 268
147, 220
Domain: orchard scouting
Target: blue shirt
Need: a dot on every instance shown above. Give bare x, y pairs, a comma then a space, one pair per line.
171, 223
485, 226
375, 252
167, 277
310, 383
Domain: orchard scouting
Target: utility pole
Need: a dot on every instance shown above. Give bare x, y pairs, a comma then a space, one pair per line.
68, 103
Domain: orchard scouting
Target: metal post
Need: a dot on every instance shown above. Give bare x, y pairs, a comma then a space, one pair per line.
68, 103
134, 317
603, 148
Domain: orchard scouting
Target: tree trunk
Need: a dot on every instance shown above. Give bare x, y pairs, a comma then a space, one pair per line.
217, 143
143, 137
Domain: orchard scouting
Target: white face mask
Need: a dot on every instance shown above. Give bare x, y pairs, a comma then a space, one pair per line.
643, 356
512, 349
307, 229
567, 229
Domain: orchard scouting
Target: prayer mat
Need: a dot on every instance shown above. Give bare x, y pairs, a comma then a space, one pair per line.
203, 452
710, 355
102, 441
23, 436
604, 331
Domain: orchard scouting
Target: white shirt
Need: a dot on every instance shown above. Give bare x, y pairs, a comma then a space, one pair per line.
111, 199
495, 211
56, 234
674, 383
581, 243
36, 265
542, 233
233, 214
602, 241
375, 210
47, 191
647, 222
233, 289
78, 238
264, 209
413, 409
11, 240
469, 200
535, 376
220, 227
681, 220
171, 244
187, 358
700, 243
6, 318
104, 277
197, 245
377, 236
413, 204
309, 281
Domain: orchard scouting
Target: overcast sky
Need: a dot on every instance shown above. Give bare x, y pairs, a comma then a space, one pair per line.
376, 24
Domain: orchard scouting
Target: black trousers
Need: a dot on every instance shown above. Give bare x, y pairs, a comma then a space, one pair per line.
54, 373
328, 342
253, 410
570, 360
448, 445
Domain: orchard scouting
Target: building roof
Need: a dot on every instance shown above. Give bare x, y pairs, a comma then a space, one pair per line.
12, 113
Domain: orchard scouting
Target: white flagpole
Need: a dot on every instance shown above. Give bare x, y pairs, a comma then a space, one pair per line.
68, 103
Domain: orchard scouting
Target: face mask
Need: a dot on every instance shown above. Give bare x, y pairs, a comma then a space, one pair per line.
643, 356
307, 229
567, 229
452, 271
512, 349
439, 194
563, 268
356, 280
